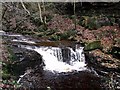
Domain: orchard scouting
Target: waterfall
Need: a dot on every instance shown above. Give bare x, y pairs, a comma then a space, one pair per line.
56, 59
65, 59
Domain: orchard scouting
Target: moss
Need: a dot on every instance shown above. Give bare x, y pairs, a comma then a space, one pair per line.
6, 76
54, 37
95, 22
50, 32
12, 56
62, 36
66, 35
36, 20
93, 45
40, 29
8, 67
40, 34
27, 33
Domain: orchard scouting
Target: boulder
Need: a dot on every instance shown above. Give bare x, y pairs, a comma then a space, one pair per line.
24, 59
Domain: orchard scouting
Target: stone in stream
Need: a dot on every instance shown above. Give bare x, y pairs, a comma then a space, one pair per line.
25, 59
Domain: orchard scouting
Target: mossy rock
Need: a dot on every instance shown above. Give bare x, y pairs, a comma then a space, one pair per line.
93, 45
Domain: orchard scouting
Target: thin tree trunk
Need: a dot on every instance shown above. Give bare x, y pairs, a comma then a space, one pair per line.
24, 7
74, 15
44, 12
40, 12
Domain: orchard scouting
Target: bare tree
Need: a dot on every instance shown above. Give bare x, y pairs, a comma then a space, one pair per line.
44, 11
24, 7
74, 13
42, 15
40, 12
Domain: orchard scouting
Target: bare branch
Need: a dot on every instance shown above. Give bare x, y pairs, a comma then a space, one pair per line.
24, 7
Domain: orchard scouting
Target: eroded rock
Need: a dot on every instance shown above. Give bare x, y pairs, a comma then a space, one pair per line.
25, 59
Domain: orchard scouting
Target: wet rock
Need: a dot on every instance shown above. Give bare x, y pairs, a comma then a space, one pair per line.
25, 59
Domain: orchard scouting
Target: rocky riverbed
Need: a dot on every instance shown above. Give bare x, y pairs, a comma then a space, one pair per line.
102, 73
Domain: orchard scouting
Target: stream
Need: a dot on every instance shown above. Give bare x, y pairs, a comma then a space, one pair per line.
63, 66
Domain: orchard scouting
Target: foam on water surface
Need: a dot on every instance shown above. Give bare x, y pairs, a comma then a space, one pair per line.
57, 59
53, 61
23, 40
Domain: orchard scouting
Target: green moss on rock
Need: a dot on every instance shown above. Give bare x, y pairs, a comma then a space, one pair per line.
93, 45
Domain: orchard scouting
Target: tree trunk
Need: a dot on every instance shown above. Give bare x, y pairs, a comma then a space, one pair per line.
74, 15
44, 12
40, 12
24, 7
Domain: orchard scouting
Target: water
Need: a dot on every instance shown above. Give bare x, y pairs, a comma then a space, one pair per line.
60, 59
56, 61
64, 66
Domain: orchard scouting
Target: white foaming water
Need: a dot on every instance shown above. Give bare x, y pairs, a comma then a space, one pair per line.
20, 38
23, 40
14, 35
53, 59
57, 59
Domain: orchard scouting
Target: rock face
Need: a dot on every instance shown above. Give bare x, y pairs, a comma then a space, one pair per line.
104, 61
25, 59
106, 66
